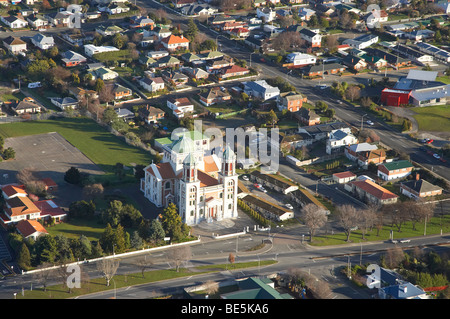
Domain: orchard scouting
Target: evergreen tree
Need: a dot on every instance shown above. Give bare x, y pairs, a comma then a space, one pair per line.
24, 258
136, 240
191, 31
73, 176
156, 231
46, 249
107, 240
121, 240
171, 222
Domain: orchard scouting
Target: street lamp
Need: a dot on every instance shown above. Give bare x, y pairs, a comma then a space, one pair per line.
362, 117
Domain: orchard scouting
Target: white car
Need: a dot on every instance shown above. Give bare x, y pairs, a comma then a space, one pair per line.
436, 156
245, 178
262, 189
369, 122
289, 206
405, 240
322, 87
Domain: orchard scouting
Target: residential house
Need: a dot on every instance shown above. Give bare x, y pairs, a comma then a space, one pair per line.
199, 10
182, 3
314, 39
78, 38
90, 49
31, 229
375, 18
180, 106
228, 26
212, 55
174, 43
266, 14
37, 22
394, 170
417, 56
109, 30
393, 59
105, 74
152, 85
307, 116
124, 114
402, 290
81, 93
151, 114
365, 153
114, 8
175, 78
373, 61
371, 192
305, 13
71, 58
195, 73
25, 106
259, 3
362, 41
291, 101
121, 92
141, 22
214, 66
261, 90
301, 59
214, 95
59, 18
15, 45
92, 15
419, 188
167, 61
64, 103
42, 41
157, 54
438, 53
14, 22
322, 69
232, 71
354, 62
343, 177
147, 61
240, 32
220, 19
337, 140
17, 208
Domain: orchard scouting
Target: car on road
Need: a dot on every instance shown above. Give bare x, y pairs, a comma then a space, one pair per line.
245, 177
322, 86
369, 122
257, 185
404, 240
262, 189
289, 206
394, 241
429, 140
436, 156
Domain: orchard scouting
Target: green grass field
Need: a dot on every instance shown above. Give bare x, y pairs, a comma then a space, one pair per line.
433, 118
99, 145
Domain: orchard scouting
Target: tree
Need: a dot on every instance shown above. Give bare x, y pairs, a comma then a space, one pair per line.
118, 41
192, 30
231, 258
44, 274
211, 287
108, 268
24, 258
178, 255
9, 153
45, 249
82, 209
143, 264
99, 84
112, 215
272, 118
367, 219
106, 94
171, 222
109, 115
353, 92
313, 217
93, 191
347, 216
156, 232
72, 176
136, 240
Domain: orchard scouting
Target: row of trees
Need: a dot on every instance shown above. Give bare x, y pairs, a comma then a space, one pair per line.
372, 217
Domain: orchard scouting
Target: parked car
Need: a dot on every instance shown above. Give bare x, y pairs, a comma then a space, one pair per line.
257, 185
369, 122
245, 177
436, 156
289, 206
429, 141
262, 189
405, 240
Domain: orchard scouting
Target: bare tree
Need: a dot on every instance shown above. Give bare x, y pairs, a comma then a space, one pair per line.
26, 175
106, 94
143, 264
394, 257
62, 274
313, 217
108, 268
178, 255
44, 275
398, 214
421, 211
92, 191
231, 258
211, 287
367, 219
353, 92
348, 217
320, 289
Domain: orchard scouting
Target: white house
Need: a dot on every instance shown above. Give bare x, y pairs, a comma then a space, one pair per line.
313, 38
42, 41
90, 49
362, 42
37, 22
375, 18
174, 42
298, 59
266, 13
180, 106
261, 90
152, 84
64, 103
338, 139
15, 45
14, 22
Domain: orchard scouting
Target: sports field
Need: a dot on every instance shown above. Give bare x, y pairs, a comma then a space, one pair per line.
99, 145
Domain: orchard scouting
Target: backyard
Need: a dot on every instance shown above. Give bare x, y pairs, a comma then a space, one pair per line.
96, 143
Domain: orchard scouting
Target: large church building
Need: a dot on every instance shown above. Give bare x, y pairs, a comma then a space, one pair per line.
203, 186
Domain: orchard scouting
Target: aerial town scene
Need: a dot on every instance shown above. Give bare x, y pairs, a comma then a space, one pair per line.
225, 150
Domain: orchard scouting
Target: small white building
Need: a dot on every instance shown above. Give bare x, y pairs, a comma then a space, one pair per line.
90, 49
298, 58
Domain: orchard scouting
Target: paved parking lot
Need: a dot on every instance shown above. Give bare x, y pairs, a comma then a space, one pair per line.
49, 154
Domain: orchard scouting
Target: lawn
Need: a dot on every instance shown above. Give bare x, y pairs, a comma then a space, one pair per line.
433, 118
433, 228
119, 281
92, 229
99, 145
